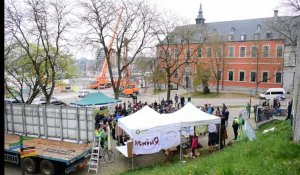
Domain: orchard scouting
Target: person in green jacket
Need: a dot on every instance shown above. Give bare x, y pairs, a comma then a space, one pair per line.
101, 134
248, 109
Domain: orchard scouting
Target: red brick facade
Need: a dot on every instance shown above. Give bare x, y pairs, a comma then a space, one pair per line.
237, 57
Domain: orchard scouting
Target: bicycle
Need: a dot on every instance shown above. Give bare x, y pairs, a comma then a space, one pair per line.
106, 155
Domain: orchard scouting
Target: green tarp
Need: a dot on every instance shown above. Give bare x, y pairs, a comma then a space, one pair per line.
93, 99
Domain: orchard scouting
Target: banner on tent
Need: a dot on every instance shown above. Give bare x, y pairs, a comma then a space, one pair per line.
187, 131
147, 145
170, 139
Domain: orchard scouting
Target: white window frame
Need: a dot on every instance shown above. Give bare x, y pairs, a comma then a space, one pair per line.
229, 52
176, 55
250, 77
262, 73
277, 50
253, 46
186, 53
240, 75
200, 52
232, 75
206, 51
169, 54
240, 51
263, 54
276, 77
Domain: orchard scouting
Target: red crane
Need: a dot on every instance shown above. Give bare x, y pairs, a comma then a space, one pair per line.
101, 80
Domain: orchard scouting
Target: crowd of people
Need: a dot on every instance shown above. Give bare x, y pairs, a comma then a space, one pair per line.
109, 122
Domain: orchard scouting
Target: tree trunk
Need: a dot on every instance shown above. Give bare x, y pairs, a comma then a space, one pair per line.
218, 86
296, 93
168, 90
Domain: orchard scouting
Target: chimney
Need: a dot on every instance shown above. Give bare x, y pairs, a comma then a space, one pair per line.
275, 15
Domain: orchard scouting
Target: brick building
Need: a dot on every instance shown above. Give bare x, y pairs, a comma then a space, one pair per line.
242, 53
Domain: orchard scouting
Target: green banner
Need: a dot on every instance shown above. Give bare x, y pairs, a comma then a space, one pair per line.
26, 138
15, 144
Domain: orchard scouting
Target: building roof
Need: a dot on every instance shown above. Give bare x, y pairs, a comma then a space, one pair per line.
262, 27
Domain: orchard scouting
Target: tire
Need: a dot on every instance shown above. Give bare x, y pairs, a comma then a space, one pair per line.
30, 165
109, 156
47, 167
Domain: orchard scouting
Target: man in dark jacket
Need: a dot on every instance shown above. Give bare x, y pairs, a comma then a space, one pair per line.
97, 120
182, 101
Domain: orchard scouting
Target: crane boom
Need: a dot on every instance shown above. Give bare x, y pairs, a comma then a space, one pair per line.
105, 65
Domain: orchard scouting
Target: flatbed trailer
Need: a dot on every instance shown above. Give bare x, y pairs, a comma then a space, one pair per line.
52, 156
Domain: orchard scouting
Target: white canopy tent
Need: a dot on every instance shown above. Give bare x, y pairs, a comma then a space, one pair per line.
190, 115
146, 122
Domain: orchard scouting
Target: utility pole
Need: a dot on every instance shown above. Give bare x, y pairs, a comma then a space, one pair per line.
296, 92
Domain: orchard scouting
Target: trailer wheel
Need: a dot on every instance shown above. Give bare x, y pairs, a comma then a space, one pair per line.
47, 167
30, 165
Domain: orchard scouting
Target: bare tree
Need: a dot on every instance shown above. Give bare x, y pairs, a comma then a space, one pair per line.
38, 27
202, 77
142, 65
174, 49
19, 75
216, 46
136, 21
293, 5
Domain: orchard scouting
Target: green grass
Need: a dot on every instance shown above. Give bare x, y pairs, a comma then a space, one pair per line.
271, 153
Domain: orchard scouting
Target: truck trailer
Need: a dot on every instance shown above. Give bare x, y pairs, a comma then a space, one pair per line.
52, 156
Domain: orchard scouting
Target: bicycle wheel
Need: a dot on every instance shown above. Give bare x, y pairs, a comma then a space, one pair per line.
109, 156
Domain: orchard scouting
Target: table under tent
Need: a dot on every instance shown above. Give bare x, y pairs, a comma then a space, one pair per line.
151, 132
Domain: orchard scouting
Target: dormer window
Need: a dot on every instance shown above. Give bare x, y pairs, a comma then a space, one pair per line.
258, 27
243, 37
256, 36
232, 29
230, 37
268, 35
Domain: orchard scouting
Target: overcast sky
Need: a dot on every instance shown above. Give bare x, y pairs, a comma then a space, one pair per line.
221, 10
213, 11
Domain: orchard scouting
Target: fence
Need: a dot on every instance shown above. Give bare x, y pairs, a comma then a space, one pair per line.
262, 115
63, 123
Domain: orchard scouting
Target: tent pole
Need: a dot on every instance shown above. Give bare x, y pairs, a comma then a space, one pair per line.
132, 162
220, 141
180, 154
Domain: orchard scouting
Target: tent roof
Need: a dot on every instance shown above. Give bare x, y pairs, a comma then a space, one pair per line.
139, 121
93, 99
190, 115
147, 121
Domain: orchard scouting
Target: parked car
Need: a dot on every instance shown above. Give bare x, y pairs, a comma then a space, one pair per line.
83, 93
12, 100
272, 93
42, 100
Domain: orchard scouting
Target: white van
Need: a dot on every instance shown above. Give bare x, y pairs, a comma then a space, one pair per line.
272, 93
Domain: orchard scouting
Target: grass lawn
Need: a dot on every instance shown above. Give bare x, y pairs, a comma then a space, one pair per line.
200, 94
271, 153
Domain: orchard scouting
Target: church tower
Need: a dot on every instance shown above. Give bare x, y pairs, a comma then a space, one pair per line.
200, 19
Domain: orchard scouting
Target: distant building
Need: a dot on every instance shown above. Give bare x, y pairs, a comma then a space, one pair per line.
242, 52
